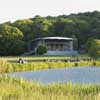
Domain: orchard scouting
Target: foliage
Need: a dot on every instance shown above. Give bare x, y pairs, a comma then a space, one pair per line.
11, 42
93, 46
41, 50
26, 27
41, 26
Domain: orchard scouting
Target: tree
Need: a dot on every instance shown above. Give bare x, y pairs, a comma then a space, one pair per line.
11, 42
94, 48
71, 29
26, 27
41, 50
88, 44
58, 26
41, 26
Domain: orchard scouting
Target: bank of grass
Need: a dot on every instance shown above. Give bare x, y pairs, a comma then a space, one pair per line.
32, 58
15, 67
19, 89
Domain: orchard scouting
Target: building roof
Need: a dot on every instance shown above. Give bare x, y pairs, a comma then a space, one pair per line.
53, 38
58, 38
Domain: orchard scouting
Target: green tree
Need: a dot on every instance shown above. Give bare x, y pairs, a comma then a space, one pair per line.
41, 26
71, 29
41, 50
58, 26
94, 48
26, 27
88, 44
11, 42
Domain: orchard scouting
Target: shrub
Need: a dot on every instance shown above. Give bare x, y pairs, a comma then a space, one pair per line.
41, 50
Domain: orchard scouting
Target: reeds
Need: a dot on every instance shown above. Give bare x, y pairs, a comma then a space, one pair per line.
19, 89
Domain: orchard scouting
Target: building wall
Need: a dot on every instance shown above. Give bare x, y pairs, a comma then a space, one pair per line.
58, 45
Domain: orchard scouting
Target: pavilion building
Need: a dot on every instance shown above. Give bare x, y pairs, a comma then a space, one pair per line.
55, 45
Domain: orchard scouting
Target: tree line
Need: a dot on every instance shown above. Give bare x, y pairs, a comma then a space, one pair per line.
15, 37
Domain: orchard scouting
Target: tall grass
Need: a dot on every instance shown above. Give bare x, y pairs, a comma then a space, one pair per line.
19, 89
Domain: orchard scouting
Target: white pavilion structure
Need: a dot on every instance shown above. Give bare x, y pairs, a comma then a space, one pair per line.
55, 45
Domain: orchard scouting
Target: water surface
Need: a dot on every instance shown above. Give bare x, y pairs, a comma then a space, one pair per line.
74, 75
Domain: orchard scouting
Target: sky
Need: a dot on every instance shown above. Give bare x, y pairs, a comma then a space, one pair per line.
11, 10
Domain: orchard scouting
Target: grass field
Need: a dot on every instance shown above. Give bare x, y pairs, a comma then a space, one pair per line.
8, 64
19, 89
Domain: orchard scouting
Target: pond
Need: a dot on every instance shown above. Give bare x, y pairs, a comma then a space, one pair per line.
74, 75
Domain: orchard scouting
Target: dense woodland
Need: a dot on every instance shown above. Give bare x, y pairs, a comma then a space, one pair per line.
15, 37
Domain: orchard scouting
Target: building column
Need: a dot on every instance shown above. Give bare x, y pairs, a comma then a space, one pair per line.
50, 47
71, 45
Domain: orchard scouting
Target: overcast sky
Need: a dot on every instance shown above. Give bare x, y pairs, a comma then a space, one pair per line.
11, 10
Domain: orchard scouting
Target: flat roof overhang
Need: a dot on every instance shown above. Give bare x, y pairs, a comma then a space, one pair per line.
57, 38
54, 38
